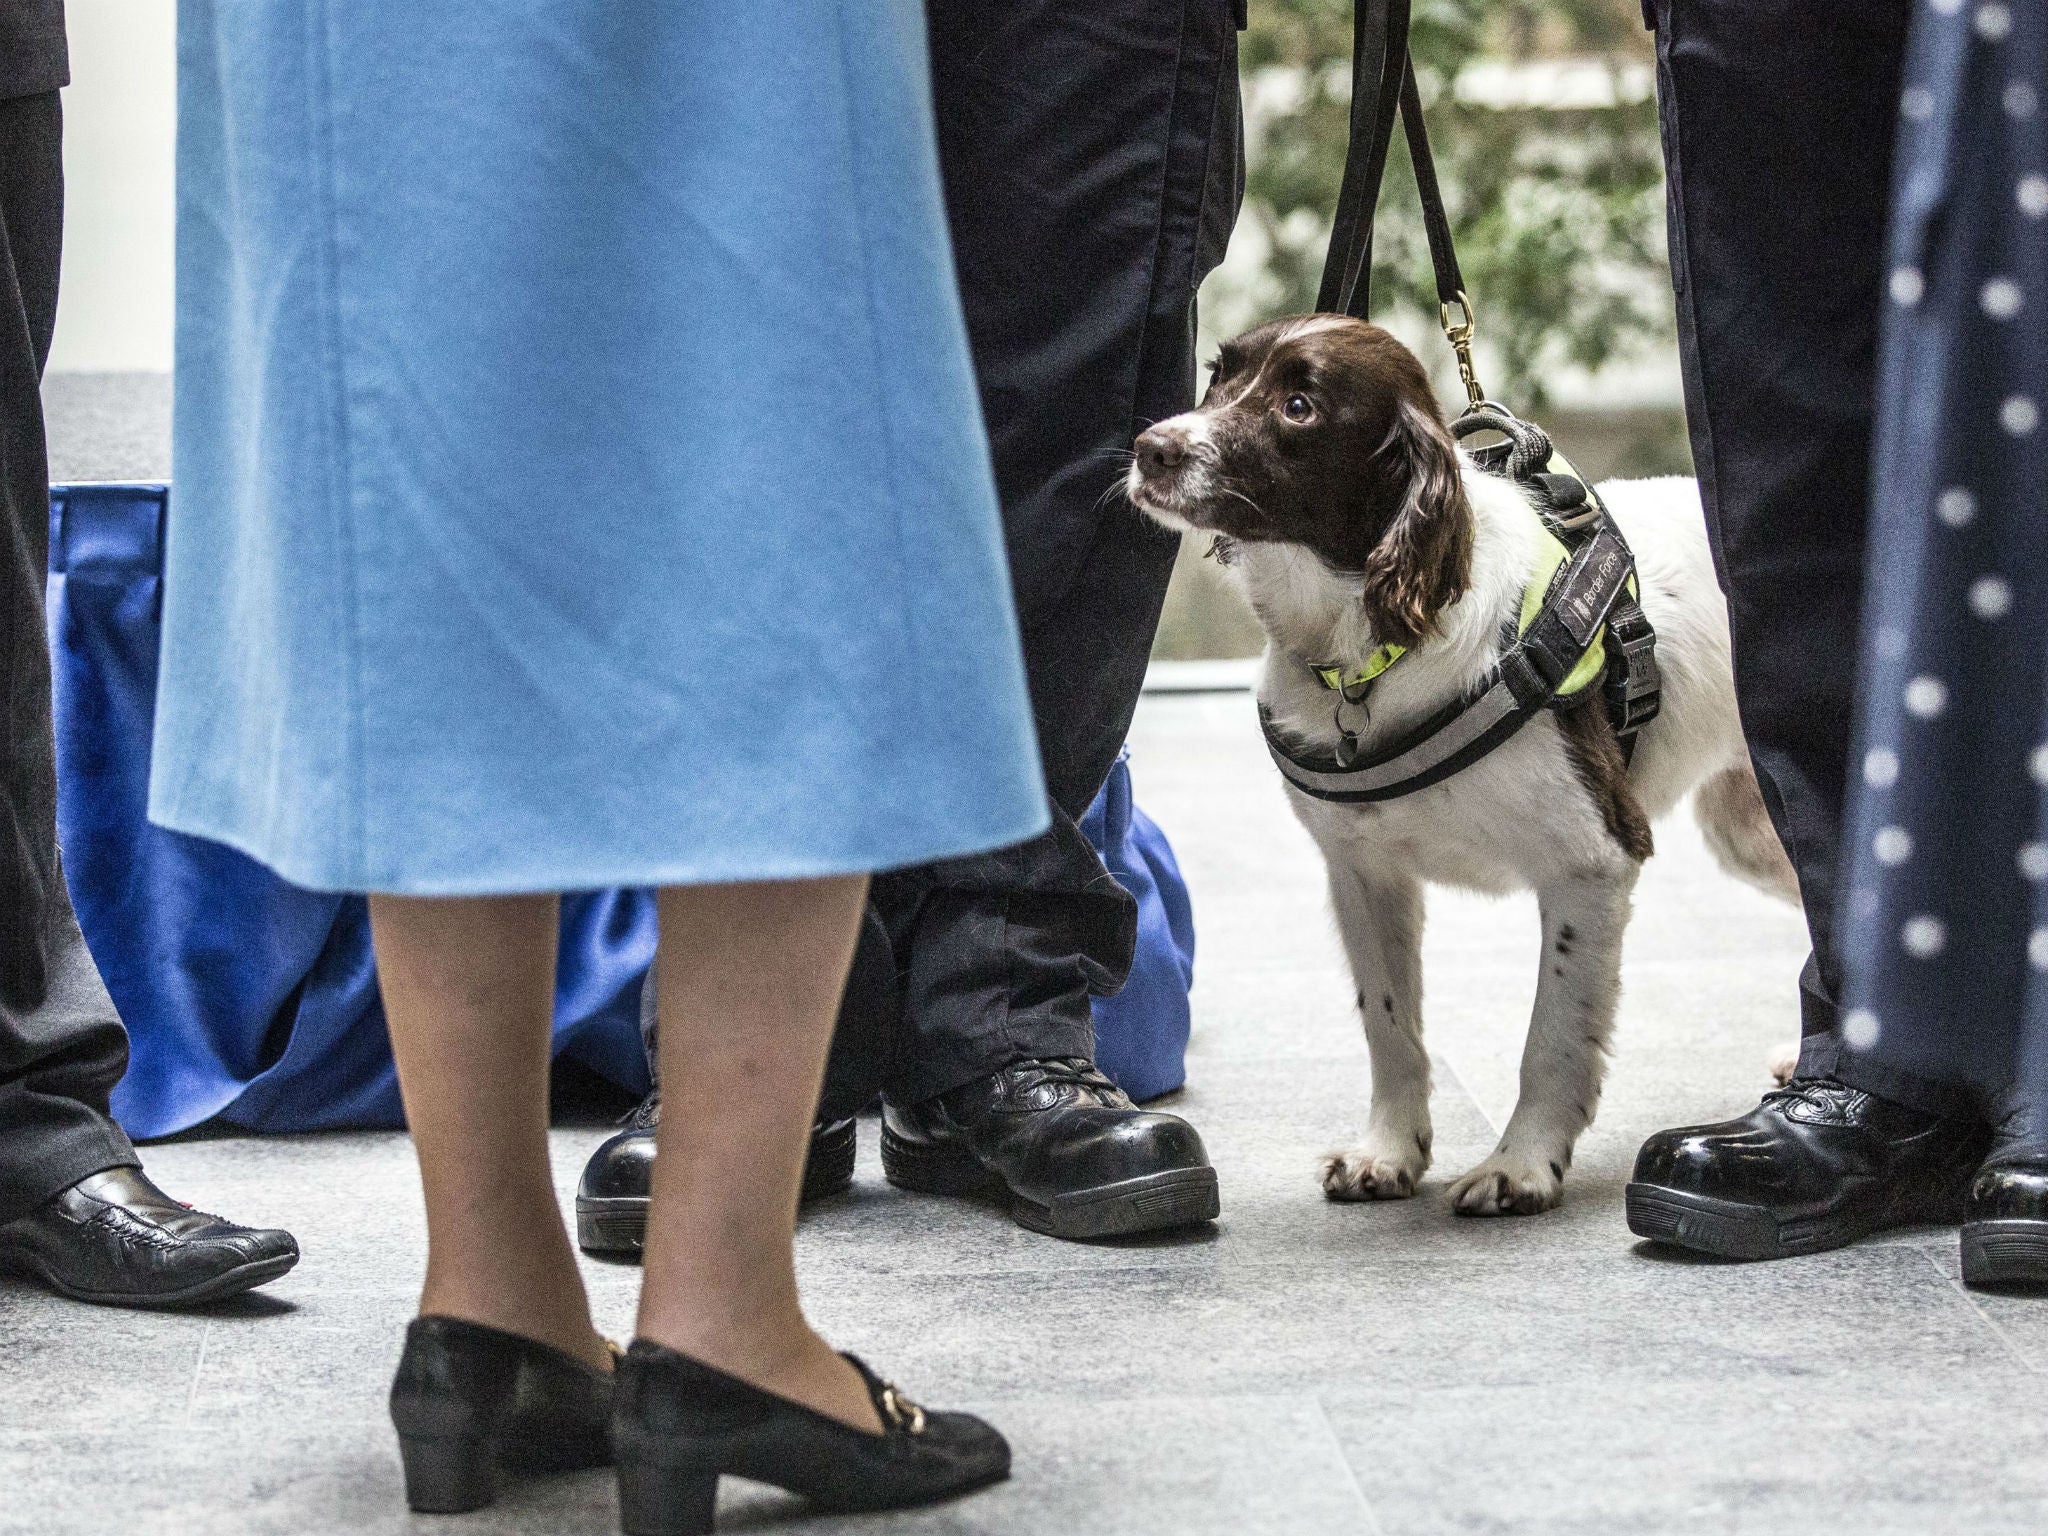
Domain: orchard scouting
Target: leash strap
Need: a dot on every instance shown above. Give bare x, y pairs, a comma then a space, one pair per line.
1521, 684
1382, 87
1379, 52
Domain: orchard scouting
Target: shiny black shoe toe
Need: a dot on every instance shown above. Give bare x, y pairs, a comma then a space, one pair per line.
612, 1195
115, 1239
1062, 1144
1816, 1166
2005, 1225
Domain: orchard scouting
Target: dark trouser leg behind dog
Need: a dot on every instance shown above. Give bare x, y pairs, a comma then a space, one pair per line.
1777, 256
1091, 163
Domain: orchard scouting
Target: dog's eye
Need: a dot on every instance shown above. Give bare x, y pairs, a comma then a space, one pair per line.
1298, 409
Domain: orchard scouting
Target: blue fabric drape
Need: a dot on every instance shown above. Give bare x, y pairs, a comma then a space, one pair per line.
1946, 879
1141, 1034
255, 1001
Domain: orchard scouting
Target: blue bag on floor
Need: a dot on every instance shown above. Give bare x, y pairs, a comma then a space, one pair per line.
255, 1001
1141, 1034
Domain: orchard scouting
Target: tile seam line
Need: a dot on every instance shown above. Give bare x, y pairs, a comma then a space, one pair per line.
2012, 1348
198, 1371
1372, 1517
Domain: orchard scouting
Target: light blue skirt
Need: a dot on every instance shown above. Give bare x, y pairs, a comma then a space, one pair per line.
578, 473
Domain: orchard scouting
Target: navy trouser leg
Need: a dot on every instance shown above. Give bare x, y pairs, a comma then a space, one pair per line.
1778, 118
62, 1047
1092, 167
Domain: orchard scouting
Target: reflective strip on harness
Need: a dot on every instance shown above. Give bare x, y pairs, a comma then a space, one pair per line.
1529, 675
1435, 757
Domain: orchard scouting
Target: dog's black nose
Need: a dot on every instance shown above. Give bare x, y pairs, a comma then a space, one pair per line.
1161, 449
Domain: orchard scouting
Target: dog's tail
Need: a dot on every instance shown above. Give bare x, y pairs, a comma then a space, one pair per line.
1738, 829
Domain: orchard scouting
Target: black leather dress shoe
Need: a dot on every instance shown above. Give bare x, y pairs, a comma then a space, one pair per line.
1074, 1157
612, 1195
115, 1238
2005, 1224
1817, 1165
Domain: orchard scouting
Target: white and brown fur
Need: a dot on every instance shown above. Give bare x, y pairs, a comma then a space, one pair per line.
1321, 457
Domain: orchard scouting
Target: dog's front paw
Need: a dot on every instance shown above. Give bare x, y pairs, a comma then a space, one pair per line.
1369, 1171
1504, 1185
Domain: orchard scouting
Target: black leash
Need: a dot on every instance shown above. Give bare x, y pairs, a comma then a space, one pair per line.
1383, 87
1593, 600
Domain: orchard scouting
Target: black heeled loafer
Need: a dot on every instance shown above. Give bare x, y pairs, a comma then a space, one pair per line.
678, 1425
2005, 1225
469, 1400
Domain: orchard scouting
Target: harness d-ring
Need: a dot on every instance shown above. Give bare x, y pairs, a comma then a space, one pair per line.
1347, 739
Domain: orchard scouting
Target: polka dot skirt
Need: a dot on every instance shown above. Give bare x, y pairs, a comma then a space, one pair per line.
1946, 861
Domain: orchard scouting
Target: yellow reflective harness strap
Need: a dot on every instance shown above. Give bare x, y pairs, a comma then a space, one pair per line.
1337, 681
1552, 553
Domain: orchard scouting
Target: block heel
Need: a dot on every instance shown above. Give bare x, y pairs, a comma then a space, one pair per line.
470, 1403
655, 1500
448, 1475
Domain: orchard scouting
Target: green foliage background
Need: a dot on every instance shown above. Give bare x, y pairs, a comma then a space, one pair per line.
1558, 214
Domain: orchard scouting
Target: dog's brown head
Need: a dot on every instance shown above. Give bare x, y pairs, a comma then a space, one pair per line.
1322, 431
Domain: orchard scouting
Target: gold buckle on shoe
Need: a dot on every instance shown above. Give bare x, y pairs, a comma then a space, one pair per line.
902, 1412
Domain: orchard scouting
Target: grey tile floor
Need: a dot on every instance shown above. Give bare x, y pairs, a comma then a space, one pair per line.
1304, 1368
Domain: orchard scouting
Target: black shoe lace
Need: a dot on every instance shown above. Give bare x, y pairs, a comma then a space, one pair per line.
645, 1115
1820, 1092
1076, 1072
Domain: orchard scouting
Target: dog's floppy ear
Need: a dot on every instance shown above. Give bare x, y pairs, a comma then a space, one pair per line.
1422, 562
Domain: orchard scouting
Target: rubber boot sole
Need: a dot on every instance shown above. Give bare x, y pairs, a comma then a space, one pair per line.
2008, 1252
1731, 1229
617, 1224
1155, 1202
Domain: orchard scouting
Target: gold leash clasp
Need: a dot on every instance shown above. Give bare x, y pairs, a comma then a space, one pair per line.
1459, 335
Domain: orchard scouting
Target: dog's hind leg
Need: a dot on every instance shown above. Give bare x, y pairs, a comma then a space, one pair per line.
1737, 829
1730, 810
1565, 1056
1380, 920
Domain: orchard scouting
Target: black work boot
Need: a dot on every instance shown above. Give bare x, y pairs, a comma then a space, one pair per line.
116, 1239
1074, 1157
1817, 1165
2005, 1221
612, 1195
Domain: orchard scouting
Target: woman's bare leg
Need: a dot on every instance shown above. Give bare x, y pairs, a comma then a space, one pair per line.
749, 985
469, 987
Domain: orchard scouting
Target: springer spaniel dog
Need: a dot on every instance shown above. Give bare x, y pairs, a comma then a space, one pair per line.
1322, 463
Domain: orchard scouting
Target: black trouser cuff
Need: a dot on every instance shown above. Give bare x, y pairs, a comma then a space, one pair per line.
60, 1160
930, 1075
1830, 1056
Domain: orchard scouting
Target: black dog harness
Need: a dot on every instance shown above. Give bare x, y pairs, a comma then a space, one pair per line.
1582, 628
1582, 622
